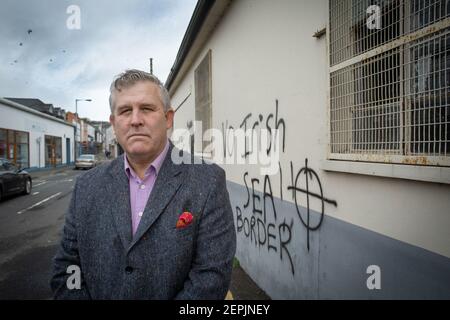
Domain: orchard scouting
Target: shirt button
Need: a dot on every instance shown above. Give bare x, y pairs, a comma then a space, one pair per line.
142, 186
140, 214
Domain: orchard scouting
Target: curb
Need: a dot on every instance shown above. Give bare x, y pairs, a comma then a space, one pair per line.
47, 172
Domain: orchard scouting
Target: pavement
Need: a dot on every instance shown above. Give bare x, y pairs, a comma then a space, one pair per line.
242, 287
30, 230
49, 172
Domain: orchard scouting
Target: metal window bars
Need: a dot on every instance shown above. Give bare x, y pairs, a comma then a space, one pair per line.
389, 87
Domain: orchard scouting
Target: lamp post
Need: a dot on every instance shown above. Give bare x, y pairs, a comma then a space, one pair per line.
76, 114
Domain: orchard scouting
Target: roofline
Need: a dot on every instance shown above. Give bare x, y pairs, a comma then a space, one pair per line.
198, 17
32, 111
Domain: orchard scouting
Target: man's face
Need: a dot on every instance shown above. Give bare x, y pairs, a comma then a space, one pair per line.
139, 120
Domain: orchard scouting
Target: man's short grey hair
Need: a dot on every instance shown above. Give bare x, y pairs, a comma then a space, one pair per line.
129, 78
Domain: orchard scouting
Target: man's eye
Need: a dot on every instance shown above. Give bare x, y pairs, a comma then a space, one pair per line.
125, 111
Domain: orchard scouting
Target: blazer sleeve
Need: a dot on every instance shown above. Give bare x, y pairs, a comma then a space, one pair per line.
210, 274
67, 255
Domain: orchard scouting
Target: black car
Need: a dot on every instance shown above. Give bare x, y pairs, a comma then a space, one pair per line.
13, 180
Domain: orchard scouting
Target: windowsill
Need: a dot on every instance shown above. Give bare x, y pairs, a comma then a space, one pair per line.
399, 171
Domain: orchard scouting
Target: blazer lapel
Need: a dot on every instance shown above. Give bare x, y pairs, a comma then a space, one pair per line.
119, 200
167, 183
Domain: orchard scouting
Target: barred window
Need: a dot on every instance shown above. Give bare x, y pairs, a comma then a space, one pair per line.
390, 81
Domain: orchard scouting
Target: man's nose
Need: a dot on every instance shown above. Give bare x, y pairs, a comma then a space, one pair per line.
136, 119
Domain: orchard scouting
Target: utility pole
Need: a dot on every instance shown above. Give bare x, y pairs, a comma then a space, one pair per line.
151, 65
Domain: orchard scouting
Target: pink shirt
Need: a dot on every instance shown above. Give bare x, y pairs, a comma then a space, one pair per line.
140, 190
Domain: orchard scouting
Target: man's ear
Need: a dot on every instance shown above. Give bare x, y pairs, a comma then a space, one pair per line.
169, 118
111, 119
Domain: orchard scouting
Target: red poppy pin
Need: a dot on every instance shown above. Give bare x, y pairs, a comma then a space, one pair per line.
184, 220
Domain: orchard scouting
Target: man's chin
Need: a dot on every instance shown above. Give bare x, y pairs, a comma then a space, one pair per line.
139, 153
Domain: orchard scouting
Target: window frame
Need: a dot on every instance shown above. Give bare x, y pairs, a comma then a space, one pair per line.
12, 146
200, 146
402, 44
429, 168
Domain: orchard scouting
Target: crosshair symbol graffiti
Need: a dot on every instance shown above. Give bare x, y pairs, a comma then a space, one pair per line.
307, 171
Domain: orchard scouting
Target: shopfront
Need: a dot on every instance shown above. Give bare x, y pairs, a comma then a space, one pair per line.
53, 151
14, 146
32, 139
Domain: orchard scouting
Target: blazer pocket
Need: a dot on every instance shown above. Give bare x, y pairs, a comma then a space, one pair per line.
186, 231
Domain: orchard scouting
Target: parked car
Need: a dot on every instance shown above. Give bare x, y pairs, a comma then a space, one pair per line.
13, 180
86, 161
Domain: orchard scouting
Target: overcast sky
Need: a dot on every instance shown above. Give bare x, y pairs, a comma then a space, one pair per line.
42, 58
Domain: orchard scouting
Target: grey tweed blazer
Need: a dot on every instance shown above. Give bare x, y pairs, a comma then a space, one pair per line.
160, 261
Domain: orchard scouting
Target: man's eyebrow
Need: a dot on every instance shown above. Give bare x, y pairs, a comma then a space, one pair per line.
143, 105
124, 106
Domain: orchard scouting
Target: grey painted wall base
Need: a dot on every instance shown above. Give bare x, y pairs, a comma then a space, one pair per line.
273, 250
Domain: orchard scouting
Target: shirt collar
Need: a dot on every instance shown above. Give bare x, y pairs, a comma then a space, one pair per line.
156, 164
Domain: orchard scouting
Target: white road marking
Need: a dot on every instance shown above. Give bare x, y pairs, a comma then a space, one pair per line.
55, 181
39, 203
35, 193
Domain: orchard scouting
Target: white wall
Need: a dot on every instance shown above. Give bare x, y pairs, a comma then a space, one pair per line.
37, 126
91, 132
264, 51
110, 139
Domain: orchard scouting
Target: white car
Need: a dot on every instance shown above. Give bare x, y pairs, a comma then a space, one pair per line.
86, 161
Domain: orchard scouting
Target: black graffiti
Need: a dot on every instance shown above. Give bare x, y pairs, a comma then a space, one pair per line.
268, 186
281, 181
270, 235
248, 192
227, 130
258, 229
255, 197
277, 123
309, 177
263, 234
244, 124
286, 228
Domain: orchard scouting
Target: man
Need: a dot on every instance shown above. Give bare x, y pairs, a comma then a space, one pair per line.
143, 227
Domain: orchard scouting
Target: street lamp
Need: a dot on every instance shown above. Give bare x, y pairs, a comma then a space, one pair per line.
76, 114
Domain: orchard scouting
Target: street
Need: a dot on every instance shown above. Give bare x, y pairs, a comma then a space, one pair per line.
30, 228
